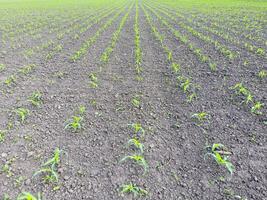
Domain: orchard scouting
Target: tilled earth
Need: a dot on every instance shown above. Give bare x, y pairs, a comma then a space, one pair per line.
174, 146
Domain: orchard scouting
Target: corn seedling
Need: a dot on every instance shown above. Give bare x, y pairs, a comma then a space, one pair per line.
213, 66
133, 189
93, 102
175, 67
36, 98
75, 123
139, 78
93, 80
51, 176
138, 129
139, 159
10, 80
138, 69
230, 193
201, 116
6, 168
2, 136
59, 74
6, 197
27, 69
136, 101
187, 87
2, 67
184, 83
50, 168
22, 113
245, 63
260, 51
243, 91
170, 56
19, 180
191, 97
137, 144
256, 108
81, 110
262, 74
28, 196
58, 48
49, 56
220, 153
249, 99
55, 160
240, 89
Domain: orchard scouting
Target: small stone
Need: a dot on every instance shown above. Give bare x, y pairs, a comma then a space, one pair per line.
4, 155
30, 154
28, 182
71, 191
183, 184
60, 170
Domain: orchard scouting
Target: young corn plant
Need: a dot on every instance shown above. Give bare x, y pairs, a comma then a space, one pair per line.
132, 189
36, 98
175, 67
256, 108
2, 136
138, 129
221, 155
185, 85
241, 90
137, 144
262, 74
75, 124
49, 168
22, 114
6, 197
188, 88
260, 51
139, 78
139, 159
213, 66
28, 196
27, 69
136, 101
93, 80
245, 93
59, 74
6, 168
10, 80
200, 117
81, 110
169, 57
2, 67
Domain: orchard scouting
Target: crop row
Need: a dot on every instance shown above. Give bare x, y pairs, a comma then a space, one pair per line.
88, 43
191, 46
226, 36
